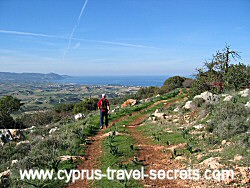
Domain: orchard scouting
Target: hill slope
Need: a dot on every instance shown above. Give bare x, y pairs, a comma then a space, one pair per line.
30, 77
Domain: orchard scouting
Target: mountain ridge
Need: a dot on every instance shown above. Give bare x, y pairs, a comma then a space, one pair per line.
30, 77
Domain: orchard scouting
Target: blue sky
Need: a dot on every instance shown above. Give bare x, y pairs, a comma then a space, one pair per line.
119, 37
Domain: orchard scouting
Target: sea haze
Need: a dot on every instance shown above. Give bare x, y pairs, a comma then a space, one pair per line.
116, 80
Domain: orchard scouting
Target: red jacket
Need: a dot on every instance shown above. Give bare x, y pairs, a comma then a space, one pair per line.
100, 103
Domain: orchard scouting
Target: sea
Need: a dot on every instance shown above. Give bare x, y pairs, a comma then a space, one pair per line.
138, 80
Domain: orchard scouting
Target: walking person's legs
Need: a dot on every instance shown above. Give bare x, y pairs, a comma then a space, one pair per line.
101, 119
106, 119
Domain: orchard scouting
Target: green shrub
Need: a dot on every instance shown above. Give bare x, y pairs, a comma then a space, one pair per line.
229, 119
36, 119
172, 83
198, 102
8, 105
86, 105
64, 108
146, 92
199, 85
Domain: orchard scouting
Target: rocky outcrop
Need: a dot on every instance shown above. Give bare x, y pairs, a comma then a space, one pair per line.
23, 142
245, 93
79, 116
53, 130
188, 105
247, 105
200, 126
212, 162
228, 98
208, 97
159, 114
13, 162
129, 102
177, 109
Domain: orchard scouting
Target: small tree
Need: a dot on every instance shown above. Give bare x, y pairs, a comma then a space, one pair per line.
173, 83
86, 105
8, 105
216, 75
238, 76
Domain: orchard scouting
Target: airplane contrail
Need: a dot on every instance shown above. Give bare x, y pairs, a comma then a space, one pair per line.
118, 43
78, 39
74, 28
30, 34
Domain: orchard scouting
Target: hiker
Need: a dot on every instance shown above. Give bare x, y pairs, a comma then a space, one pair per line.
104, 107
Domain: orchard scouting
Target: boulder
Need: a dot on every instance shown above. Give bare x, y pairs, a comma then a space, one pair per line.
177, 109
228, 98
224, 95
175, 120
198, 97
30, 128
53, 130
68, 157
159, 114
23, 142
129, 102
188, 105
200, 156
180, 158
223, 142
247, 105
79, 116
209, 97
13, 162
154, 118
238, 157
212, 162
200, 126
245, 93
148, 100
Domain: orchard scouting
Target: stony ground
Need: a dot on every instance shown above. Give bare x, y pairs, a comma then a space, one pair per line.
151, 155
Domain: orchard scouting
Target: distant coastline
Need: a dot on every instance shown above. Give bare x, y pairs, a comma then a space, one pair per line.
12, 77
99, 80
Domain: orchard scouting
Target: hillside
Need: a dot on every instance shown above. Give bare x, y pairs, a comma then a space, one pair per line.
164, 132
29, 77
189, 132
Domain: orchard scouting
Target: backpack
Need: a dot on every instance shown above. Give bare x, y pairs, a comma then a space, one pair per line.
104, 104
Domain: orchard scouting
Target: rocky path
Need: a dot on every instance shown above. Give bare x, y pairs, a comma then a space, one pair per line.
151, 155
94, 151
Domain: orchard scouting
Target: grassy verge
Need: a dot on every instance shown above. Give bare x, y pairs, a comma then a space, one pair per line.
118, 155
119, 151
44, 149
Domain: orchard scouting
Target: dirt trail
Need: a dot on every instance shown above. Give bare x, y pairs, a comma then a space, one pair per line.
151, 157
94, 151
